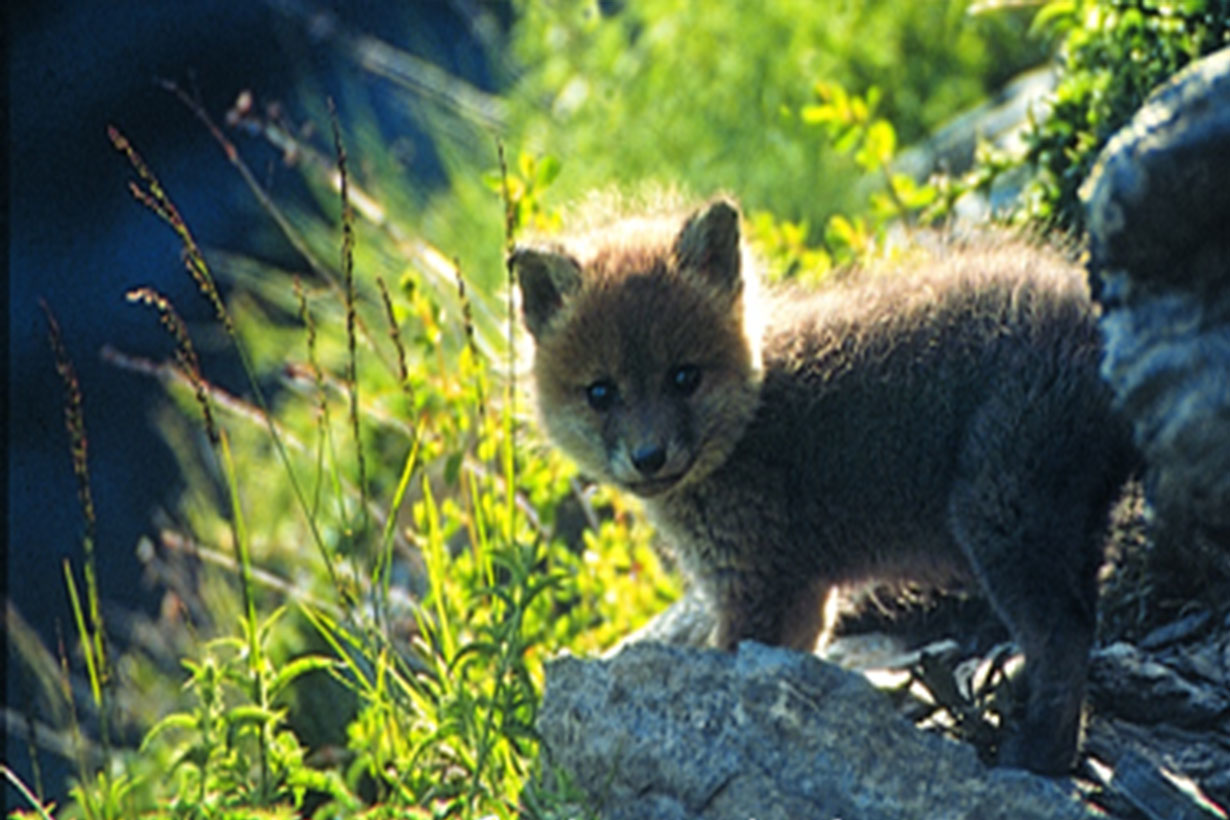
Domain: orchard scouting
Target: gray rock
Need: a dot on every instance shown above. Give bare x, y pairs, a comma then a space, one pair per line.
1144, 788
1159, 194
1176, 631
1124, 680
1199, 759
670, 732
689, 621
1158, 206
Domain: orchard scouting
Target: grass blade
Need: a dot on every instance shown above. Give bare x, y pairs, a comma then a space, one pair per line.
87, 643
25, 792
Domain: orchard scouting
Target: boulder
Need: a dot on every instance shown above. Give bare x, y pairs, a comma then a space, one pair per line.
1158, 204
660, 731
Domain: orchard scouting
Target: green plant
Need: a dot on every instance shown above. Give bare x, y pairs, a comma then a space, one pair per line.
39, 810
233, 748
854, 129
108, 797
895, 200
445, 685
1113, 53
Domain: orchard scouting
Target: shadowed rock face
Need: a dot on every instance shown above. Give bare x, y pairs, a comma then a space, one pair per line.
1158, 205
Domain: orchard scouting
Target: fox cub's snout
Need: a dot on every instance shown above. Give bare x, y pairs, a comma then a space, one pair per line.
641, 349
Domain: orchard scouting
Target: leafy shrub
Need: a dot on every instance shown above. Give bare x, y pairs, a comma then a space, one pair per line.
1114, 52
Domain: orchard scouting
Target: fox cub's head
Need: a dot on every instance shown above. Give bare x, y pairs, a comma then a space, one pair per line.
646, 370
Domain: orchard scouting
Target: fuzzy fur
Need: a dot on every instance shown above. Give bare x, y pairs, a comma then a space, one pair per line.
943, 420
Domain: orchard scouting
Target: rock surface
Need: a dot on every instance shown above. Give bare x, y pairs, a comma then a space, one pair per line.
669, 732
1167, 708
1158, 206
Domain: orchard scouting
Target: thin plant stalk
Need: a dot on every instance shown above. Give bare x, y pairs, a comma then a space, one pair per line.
78, 741
25, 792
510, 413
186, 355
324, 439
93, 634
383, 570
293, 236
157, 200
256, 663
348, 291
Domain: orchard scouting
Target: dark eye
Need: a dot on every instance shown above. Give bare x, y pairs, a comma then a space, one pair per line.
685, 379
601, 394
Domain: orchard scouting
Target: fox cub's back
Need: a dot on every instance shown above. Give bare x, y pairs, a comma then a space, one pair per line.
945, 418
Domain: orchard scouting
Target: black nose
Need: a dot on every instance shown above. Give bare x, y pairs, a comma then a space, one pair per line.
649, 458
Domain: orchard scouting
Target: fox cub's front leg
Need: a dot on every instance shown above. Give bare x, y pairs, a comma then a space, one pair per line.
763, 609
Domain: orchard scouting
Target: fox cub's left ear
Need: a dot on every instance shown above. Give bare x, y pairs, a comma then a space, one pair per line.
545, 278
709, 244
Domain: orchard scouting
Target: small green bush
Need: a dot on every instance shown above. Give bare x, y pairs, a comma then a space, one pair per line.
1113, 53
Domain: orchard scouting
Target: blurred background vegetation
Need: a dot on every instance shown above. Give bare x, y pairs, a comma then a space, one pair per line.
375, 551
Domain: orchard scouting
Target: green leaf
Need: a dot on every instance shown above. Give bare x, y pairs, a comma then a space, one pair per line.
548, 169
175, 720
87, 647
843, 233
525, 165
817, 114
1056, 15
29, 797
847, 141
879, 145
493, 180
452, 468
873, 98
250, 715
300, 666
334, 635
266, 627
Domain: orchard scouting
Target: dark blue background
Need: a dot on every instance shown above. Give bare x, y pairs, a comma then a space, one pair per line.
78, 240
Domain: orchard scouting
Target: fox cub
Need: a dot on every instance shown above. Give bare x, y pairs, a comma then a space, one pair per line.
945, 422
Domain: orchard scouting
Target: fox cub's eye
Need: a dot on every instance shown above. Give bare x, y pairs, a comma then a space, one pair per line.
685, 379
601, 395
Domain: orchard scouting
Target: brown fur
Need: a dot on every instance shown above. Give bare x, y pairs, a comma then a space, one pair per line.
943, 420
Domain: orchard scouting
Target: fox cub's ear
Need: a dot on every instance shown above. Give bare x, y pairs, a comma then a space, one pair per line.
709, 244
545, 277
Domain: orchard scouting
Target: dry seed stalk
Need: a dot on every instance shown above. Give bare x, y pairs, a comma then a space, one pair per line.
352, 368
403, 372
94, 643
154, 197
185, 353
467, 318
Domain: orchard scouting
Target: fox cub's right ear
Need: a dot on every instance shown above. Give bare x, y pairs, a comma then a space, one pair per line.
545, 278
708, 245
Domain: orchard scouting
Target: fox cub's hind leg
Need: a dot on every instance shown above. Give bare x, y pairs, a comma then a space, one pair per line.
1028, 509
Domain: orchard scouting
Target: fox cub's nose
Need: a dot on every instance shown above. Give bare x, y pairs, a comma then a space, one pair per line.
649, 458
